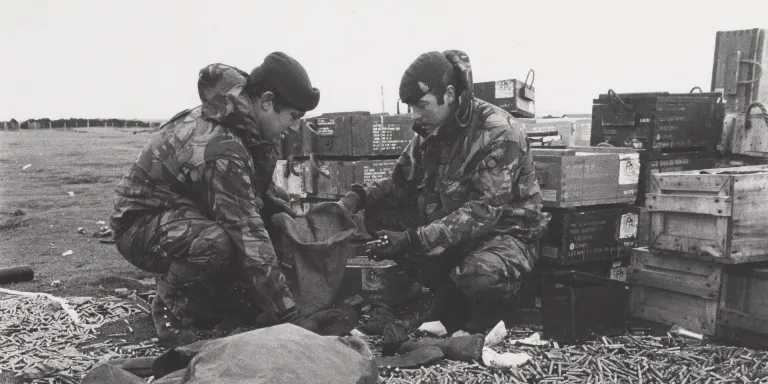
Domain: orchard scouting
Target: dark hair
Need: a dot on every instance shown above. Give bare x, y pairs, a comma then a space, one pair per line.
439, 89
257, 89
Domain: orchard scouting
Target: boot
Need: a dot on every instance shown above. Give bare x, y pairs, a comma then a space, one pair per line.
461, 348
168, 326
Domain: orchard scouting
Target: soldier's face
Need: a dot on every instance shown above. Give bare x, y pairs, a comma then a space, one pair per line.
274, 124
429, 113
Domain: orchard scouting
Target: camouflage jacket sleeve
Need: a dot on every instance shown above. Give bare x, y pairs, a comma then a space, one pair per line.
225, 191
510, 201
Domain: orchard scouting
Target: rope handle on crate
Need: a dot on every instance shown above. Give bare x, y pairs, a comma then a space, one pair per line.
290, 167
761, 107
310, 126
612, 94
757, 77
533, 78
313, 165
695, 88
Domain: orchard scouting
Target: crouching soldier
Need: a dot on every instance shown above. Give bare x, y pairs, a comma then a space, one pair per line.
194, 207
461, 211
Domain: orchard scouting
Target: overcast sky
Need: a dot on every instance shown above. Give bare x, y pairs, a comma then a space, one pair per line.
140, 59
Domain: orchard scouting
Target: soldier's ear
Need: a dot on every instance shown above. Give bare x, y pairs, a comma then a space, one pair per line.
450, 95
266, 101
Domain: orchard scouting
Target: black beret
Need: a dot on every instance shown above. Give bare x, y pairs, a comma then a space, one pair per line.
289, 79
425, 73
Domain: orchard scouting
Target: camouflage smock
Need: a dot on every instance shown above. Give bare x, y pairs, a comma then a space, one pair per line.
468, 180
213, 160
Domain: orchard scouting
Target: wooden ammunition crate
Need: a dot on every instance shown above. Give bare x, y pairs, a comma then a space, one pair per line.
736, 73
557, 132
743, 311
513, 96
674, 290
658, 120
589, 234
661, 162
749, 141
356, 134
581, 176
715, 212
327, 179
744, 298
577, 306
376, 281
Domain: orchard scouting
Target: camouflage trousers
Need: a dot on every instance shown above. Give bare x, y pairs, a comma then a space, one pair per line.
489, 269
195, 261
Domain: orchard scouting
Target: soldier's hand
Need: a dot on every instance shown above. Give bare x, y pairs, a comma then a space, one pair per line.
392, 245
275, 203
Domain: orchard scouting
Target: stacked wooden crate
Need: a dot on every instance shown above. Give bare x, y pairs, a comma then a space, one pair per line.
704, 267
740, 58
589, 191
512, 95
335, 150
332, 152
672, 132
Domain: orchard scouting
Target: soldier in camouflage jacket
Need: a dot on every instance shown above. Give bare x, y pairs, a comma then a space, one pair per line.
462, 209
193, 206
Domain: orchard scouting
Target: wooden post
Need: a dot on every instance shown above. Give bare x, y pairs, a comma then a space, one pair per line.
50, 125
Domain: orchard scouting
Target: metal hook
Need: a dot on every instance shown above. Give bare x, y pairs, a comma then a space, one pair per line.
611, 92
533, 78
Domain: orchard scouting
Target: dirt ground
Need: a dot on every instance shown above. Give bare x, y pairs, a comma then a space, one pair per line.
39, 220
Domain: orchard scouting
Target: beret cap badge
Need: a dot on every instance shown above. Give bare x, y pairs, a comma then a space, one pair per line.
424, 88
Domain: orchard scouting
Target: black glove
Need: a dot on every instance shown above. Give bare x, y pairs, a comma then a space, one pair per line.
395, 244
354, 200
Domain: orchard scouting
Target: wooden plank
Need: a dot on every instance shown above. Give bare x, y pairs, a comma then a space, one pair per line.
740, 320
689, 245
676, 283
677, 261
682, 181
749, 230
722, 171
673, 308
744, 300
707, 205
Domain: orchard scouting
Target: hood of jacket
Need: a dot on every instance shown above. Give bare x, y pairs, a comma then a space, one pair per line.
224, 99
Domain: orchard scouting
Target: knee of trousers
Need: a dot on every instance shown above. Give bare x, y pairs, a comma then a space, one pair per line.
485, 276
134, 246
212, 248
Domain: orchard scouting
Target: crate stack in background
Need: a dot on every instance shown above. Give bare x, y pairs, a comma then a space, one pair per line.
590, 192
741, 57
335, 150
329, 154
705, 268
671, 132
512, 95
